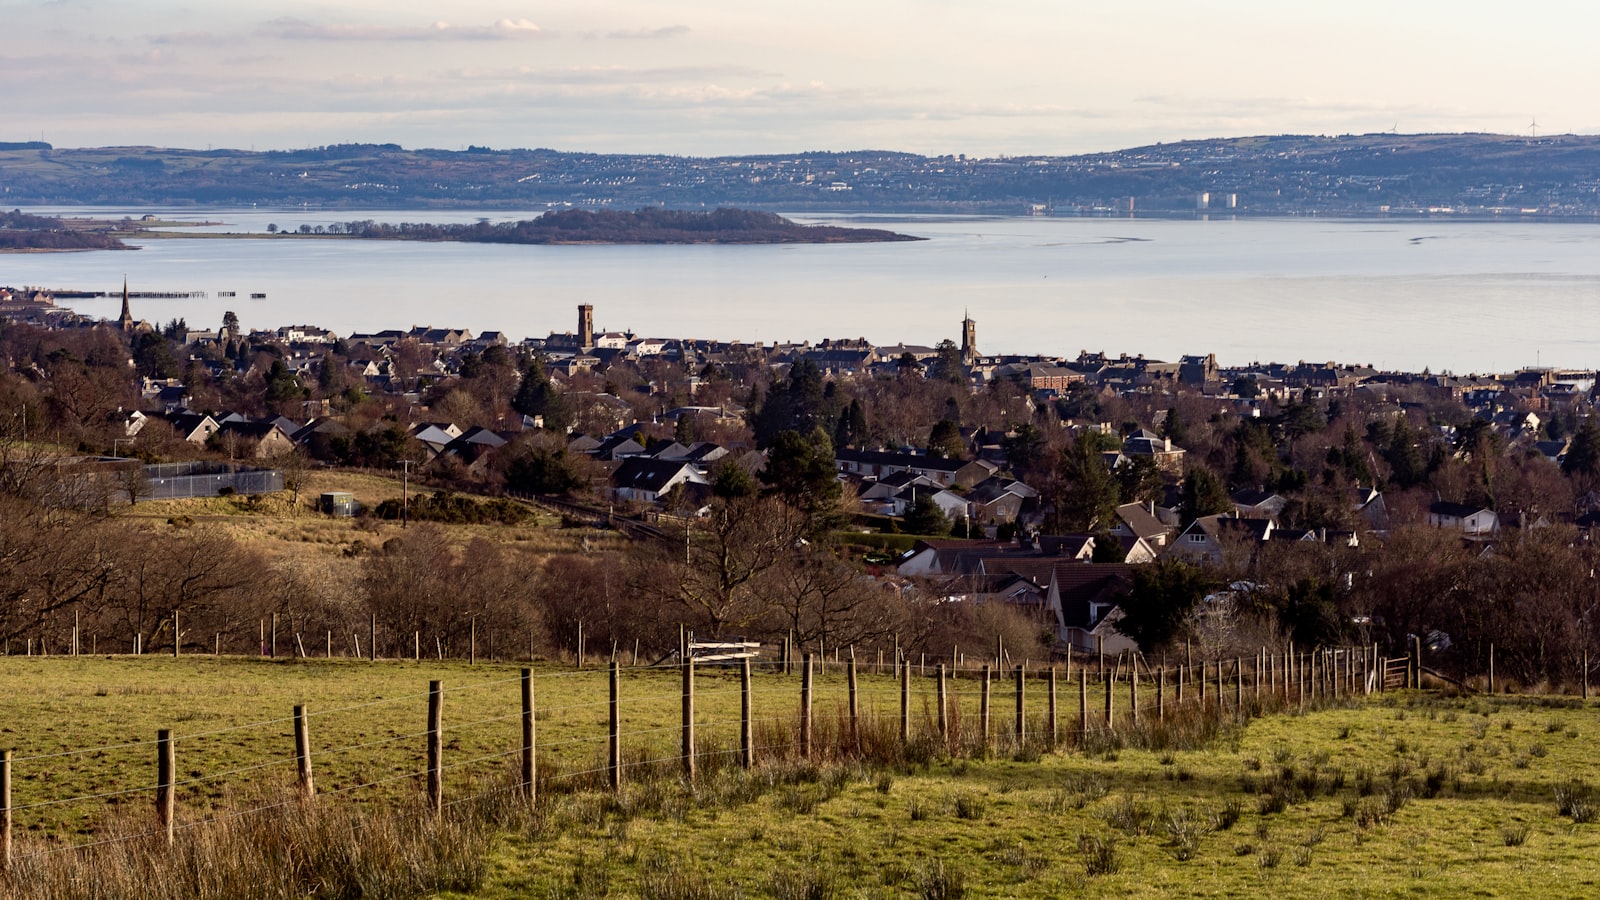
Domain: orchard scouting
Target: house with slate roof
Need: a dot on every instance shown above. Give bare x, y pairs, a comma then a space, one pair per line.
645, 480
1083, 599
1209, 539
1473, 521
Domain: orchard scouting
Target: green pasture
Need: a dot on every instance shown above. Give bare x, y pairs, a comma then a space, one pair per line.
1401, 795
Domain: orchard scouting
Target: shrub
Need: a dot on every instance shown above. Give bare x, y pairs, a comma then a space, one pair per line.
1099, 855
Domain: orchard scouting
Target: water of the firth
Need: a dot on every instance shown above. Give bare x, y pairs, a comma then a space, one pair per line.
1449, 295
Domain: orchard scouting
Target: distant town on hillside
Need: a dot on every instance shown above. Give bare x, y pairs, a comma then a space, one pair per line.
1348, 175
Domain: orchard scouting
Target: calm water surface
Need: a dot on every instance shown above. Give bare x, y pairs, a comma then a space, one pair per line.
1462, 296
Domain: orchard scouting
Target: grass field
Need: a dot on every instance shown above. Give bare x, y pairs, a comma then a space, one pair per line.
1407, 794
1440, 799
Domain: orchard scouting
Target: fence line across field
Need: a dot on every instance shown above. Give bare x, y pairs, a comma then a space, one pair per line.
1282, 681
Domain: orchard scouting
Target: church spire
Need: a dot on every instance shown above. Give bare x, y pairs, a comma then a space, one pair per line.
126, 319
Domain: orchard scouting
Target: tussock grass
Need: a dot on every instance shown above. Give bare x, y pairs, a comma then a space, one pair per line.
282, 851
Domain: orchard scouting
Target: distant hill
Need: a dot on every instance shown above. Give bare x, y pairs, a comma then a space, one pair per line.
1474, 174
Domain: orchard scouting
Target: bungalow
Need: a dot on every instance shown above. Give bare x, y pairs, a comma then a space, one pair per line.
1136, 520
435, 436
945, 472
617, 446
1258, 504
646, 480
261, 440
939, 557
952, 504
1083, 599
995, 500
1208, 538
1464, 517
193, 427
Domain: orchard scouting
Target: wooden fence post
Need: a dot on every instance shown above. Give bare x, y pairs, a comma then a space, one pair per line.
1491, 668
805, 706
1238, 684
1110, 680
688, 718
614, 729
983, 708
1585, 674
855, 704
529, 760
5, 809
943, 693
905, 700
1022, 709
436, 747
1179, 698
1055, 730
1133, 690
372, 637
1161, 694
164, 778
746, 727
1083, 704
177, 636
1256, 666
302, 753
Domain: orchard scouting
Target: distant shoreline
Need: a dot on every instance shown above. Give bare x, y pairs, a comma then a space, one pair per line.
648, 226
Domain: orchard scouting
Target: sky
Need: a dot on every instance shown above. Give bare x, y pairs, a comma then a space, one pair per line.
714, 77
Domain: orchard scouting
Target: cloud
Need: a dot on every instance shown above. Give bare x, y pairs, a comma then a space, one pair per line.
608, 74
185, 38
292, 29
648, 34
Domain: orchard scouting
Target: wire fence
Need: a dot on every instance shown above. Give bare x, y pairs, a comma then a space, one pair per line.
618, 725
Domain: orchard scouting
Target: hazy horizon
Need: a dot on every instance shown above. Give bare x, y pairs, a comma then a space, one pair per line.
792, 151
715, 78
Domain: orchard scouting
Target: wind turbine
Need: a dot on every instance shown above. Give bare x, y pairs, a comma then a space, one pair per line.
1533, 127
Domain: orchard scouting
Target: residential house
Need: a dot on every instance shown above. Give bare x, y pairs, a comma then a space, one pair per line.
1473, 521
473, 448
1368, 503
945, 472
259, 439
196, 428
617, 446
996, 500
1209, 539
435, 436
1167, 458
1138, 521
1083, 600
644, 480
1256, 504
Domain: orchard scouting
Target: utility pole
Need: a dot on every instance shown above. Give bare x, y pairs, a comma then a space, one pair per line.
405, 499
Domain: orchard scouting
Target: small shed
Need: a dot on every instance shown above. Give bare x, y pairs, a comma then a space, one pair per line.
341, 504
